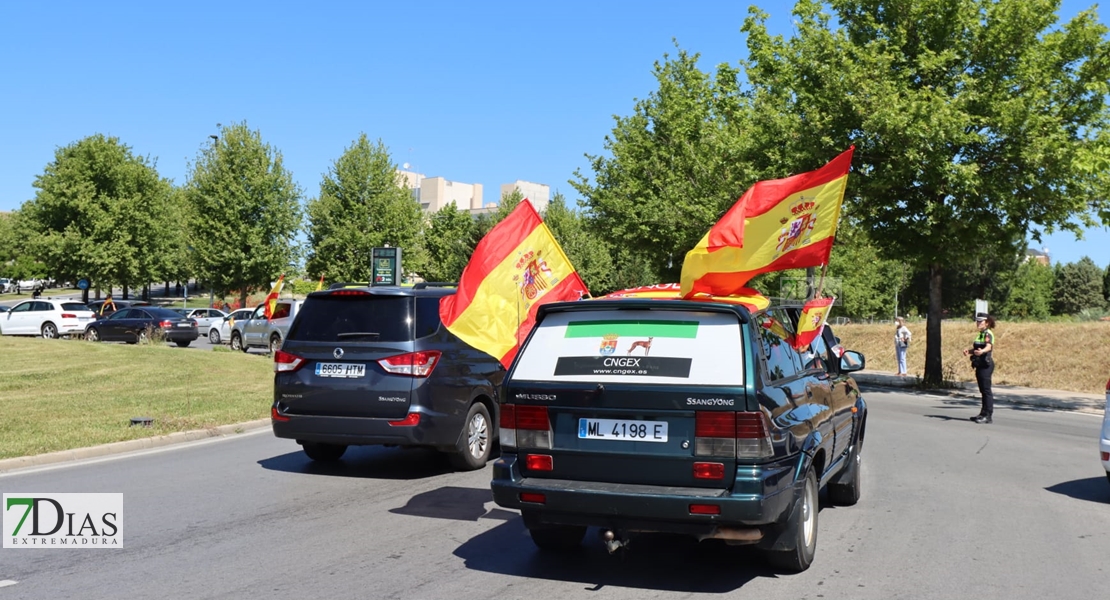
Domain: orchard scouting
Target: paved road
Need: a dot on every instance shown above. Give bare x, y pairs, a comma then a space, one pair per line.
1018, 509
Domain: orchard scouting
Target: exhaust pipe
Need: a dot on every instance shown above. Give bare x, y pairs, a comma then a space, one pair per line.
734, 535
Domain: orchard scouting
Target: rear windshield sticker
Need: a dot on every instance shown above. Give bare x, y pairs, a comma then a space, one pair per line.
638, 366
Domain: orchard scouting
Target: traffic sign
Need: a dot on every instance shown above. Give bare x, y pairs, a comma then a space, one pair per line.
82, 284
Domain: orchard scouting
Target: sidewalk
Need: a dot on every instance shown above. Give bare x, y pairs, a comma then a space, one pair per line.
1003, 394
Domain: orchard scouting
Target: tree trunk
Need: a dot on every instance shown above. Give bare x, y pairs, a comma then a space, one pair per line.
243, 297
125, 291
934, 371
167, 293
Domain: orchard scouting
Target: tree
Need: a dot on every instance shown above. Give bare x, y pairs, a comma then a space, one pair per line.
448, 241
1078, 287
1106, 285
674, 169
1030, 292
245, 212
590, 254
970, 119
362, 205
102, 212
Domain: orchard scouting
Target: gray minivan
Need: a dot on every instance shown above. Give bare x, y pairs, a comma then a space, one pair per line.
698, 418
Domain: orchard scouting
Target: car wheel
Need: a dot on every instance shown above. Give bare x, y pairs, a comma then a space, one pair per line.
557, 538
275, 343
474, 443
183, 344
845, 491
214, 337
237, 342
49, 331
322, 452
142, 337
801, 530
92, 335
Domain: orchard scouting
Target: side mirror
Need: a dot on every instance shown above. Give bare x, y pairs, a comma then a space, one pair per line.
851, 361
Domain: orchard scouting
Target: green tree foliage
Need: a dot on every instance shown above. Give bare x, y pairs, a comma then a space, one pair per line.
1030, 292
245, 212
590, 254
9, 244
968, 118
104, 213
1078, 287
362, 205
675, 168
449, 242
868, 284
1106, 285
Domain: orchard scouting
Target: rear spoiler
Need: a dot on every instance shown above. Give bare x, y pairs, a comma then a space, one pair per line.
416, 286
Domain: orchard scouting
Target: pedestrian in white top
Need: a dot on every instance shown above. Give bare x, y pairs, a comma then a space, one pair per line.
902, 337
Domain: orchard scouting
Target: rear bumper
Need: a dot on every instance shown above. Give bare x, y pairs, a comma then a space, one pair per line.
762, 495
435, 431
181, 335
1104, 445
70, 327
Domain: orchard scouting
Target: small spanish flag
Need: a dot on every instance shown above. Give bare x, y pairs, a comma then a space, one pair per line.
320, 285
272, 297
515, 268
776, 225
812, 321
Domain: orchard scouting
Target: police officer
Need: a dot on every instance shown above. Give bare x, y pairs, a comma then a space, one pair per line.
983, 363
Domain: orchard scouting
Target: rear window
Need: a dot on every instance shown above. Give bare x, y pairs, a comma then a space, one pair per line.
74, 306
324, 318
635, 346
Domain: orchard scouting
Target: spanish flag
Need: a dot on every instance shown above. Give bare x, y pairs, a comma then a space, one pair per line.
272, 297
514, 269
812, 321
748, 297
320, 285
776, 225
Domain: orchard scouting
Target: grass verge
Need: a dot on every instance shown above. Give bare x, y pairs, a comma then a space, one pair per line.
59, 395
1053, 356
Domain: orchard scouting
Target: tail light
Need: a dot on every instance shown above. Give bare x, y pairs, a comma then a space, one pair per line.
705, 509
350, 293
539, 462
732, 435
285, 362
69, 316
413, 364
525, 426
277, 416
411, 420
165, 324
193, 322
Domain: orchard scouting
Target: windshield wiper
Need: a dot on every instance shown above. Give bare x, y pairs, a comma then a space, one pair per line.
358, 334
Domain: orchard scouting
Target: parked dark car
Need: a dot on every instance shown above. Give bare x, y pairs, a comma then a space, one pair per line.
374, 365
681, 417
97, 306
136, 324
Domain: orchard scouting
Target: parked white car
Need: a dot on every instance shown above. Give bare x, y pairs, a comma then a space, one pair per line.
48, 318
6, 285
1104, 442
206, 318
220, 332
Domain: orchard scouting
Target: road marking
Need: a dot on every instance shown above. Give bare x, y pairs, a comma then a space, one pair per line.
7, 582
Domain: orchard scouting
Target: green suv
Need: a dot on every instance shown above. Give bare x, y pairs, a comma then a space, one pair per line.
698, 418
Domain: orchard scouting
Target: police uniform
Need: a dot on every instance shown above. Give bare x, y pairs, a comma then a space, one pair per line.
984, 369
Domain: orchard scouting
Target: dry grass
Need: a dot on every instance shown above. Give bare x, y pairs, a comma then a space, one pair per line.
58, 394
1057, 356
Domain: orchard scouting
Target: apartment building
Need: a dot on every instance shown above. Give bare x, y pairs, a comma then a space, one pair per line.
538, 193
433, 193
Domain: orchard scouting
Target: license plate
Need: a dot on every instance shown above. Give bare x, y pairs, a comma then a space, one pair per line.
184, 324
622, 430
83, 318
340, 370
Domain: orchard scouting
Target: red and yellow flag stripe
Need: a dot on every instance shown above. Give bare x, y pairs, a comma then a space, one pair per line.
517, 267
777, 224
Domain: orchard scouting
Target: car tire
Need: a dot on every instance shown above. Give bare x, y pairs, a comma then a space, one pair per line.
802, 527
237, 341
846, 491
92, 335
323, 452
557, 538
275, 343
475, 441
183, 344
49, 331
214, 337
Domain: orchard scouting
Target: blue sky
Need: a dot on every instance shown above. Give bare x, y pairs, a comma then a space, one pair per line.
477, 92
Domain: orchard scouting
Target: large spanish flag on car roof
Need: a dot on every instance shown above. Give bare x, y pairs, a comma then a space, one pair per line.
777, 224
516, 267
672, 291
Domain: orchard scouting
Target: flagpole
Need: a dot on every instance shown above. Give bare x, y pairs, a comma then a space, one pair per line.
821, 282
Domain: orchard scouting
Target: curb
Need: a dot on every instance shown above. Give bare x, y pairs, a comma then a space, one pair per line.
1049, 399
179, 437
